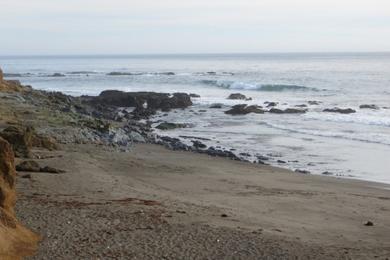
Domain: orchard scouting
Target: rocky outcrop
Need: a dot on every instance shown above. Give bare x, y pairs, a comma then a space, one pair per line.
23, 139
244, 109
143, 100
9, 85
20, 139
16, 241
340, 110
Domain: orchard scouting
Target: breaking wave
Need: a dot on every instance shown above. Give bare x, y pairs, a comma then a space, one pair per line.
259, 87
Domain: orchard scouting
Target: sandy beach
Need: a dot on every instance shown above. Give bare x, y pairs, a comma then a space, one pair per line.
153, 203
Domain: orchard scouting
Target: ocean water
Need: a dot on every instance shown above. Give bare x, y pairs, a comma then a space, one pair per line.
351, 146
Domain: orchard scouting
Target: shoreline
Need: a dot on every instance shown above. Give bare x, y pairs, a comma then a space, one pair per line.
114, 197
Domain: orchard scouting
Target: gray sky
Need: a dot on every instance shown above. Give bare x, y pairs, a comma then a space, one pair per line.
201, 26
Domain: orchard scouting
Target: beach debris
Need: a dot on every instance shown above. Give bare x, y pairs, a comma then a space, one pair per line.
340, 110
369, 224
224, 215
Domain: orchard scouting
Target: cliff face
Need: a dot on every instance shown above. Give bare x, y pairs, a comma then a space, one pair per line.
16, 241
9, 85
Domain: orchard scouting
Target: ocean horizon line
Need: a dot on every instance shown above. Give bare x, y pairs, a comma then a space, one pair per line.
205, 54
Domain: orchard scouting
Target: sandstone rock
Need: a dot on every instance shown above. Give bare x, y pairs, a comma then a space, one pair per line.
16, 241
21, 140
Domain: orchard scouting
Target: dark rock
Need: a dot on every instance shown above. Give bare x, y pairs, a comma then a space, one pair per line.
313, 102
245, 154
340, 110
281, 161
371, 106
170, 126
224, 215
48, 169
287, 111
198, 144
194, 95
262, 158
302, 171
28, 166
57, 75
243, 109
303, 105
221, 153
369, 224
327, 173
142, 100
237, 96
294, 111
217, 105
271, 104
202, 111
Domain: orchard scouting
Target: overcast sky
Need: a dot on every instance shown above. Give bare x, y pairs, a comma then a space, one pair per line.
193, 26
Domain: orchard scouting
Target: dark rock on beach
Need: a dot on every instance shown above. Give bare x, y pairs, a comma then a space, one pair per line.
340, 110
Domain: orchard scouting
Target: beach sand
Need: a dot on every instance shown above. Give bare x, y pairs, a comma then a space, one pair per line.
153, 203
